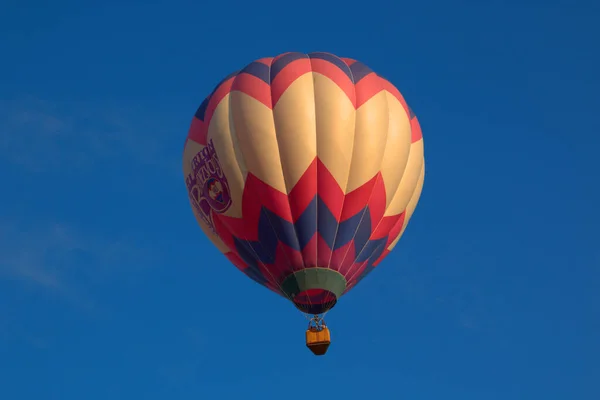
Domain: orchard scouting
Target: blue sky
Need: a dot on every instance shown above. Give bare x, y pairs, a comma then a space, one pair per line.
491, 294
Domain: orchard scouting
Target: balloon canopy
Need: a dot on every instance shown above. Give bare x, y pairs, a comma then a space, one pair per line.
304, 170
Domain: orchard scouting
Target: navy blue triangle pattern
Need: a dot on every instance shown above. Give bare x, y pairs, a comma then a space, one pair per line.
316, 218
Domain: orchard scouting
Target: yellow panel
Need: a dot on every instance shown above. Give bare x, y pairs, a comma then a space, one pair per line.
370, 138
254, 128
295, 128
335, 115
189, 152
412, 205
409, 181
397, 148
220, 132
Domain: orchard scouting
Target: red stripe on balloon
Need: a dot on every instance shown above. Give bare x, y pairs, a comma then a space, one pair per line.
338, 76
287, 76
309, 253
329, 190
415, 129
366, 88
256, 195
339, 261
304, 191
294, 259
377, 201
227, 228
236, 260
357, 199
254, 87
222, 91
391, 89
198, 131
396, 229
385, 226
323, 252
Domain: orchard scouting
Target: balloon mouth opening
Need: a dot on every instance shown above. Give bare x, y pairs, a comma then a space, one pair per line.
315, 301
314, 290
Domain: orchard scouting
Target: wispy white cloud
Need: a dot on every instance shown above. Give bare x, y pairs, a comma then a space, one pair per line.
63, 261
38, 135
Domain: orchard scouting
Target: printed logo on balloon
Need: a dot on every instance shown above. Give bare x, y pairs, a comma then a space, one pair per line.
207, 185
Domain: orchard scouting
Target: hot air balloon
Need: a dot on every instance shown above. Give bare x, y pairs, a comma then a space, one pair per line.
304, 170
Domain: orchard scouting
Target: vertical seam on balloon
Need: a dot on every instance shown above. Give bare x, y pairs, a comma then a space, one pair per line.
245, 239
312, 75
283, 171
398, 187
421, 171
377, 178
407, 219
258, 260
337, 228
356, 272
290, 266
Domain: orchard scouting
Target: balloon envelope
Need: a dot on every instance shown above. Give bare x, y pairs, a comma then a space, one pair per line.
304, 169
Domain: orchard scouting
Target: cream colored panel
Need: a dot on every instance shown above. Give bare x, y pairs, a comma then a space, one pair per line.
189, 152
295, 127
335, 118
397, 149
412, 205
370, 139
409, 180
255, 131
220, 133
236, 148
